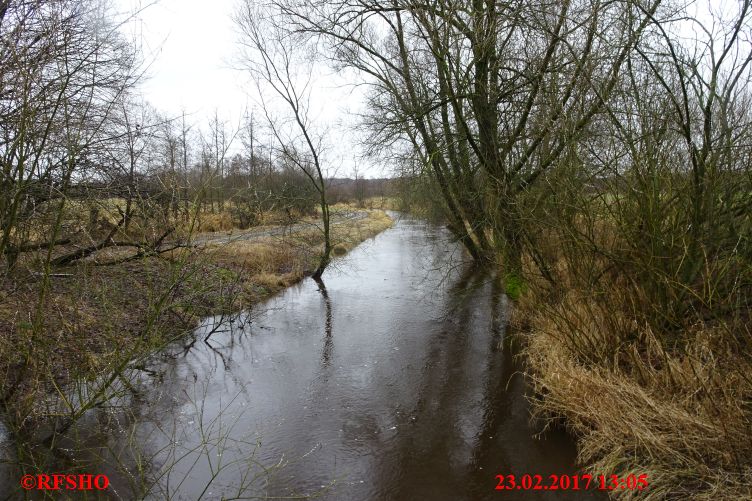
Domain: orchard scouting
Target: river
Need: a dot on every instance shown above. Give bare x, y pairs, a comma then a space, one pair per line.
391, 380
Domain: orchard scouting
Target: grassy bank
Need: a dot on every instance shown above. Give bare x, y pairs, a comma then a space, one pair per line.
675, 405
91, 318
271, 263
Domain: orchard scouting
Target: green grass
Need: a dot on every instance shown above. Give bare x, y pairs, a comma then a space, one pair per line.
514, 286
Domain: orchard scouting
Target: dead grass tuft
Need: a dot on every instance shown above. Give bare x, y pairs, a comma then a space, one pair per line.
681, 417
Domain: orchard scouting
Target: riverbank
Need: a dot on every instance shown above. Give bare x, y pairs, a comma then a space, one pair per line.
100, 319
638, 404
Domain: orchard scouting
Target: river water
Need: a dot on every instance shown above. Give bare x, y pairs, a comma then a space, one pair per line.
391, 380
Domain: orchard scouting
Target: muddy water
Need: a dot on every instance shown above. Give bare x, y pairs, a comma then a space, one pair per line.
391, 380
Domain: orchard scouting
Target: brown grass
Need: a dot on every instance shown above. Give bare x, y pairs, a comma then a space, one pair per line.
681, 416
349, 235
273, 263
210, 221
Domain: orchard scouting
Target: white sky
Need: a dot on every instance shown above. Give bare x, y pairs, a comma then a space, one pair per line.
190, 45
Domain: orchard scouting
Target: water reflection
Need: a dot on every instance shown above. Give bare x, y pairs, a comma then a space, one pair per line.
326, 353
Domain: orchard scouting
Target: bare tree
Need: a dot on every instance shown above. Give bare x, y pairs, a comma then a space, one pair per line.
63, 68
135, 127
487, 95
278, 63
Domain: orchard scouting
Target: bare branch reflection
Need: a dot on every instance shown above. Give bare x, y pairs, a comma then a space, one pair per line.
326, 353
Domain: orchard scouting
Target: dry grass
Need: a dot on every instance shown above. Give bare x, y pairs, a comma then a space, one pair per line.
210, 221
676, 406
273, 263
683, 417
347, 236
264, 264
383, 203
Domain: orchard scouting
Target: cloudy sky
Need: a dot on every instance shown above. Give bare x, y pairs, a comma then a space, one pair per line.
190, 46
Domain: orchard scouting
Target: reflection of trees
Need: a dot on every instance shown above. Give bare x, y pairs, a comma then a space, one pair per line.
466, 412
436, 398
326, 353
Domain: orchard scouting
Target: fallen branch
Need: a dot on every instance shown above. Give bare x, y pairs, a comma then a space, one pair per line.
142, 254
33, 247
144, 250
87, 251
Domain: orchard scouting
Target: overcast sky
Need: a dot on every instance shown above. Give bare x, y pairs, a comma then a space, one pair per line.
191, 44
